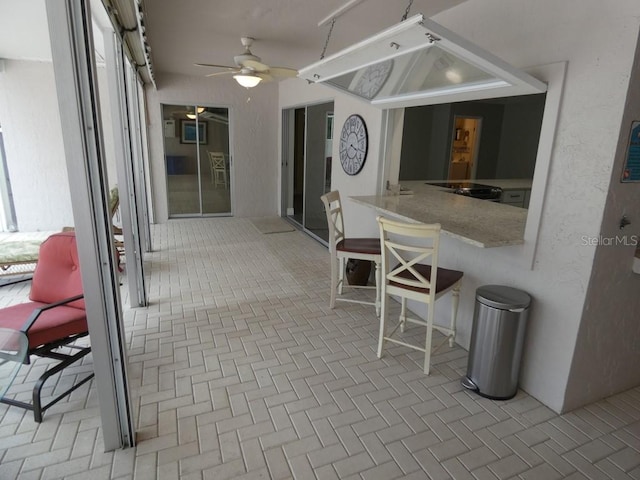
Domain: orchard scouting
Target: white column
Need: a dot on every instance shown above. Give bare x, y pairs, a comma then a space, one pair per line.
76, 84
123, 137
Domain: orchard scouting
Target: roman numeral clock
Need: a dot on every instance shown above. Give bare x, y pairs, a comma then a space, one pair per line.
354, 144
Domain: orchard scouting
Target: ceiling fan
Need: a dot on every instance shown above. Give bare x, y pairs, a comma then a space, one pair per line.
217, 115
249, 70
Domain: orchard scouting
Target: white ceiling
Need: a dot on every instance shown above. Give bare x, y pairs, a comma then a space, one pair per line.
182, 33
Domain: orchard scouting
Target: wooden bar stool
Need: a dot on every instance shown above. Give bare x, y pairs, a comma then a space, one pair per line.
342, 248
405, 245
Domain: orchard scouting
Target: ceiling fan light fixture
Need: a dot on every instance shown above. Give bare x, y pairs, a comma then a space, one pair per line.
247, 81
196, 110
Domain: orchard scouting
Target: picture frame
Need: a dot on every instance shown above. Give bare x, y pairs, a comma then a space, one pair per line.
188, 132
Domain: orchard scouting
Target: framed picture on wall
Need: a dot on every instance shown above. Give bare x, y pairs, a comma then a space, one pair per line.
188, 132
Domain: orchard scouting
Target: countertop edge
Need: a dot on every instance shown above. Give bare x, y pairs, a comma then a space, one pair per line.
362, 200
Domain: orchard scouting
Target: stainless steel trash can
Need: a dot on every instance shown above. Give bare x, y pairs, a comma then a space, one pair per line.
497, 337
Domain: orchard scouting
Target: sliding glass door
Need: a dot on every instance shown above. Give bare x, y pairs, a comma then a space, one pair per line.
198, 160
318, 161
306, 167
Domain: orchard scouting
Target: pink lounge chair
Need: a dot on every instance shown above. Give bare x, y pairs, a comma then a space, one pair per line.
54, 317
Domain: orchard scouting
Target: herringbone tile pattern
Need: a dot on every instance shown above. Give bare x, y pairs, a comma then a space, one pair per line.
239, 370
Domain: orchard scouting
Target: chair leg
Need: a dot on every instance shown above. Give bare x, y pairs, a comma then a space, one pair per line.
403, 314
334, 280
383, 319
378, 287
455, 300
429, 335
341, 266
65, 360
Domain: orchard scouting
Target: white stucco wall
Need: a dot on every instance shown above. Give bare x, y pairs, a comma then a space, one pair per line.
599, 60
599, 66
253, 126
33, 144
607, 350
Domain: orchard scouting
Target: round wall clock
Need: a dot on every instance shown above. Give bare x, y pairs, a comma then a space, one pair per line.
372, 79
354, 144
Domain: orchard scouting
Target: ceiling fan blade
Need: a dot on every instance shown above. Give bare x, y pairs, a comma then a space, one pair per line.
265, 77
214, 66
257, 66
230, 72
283, 72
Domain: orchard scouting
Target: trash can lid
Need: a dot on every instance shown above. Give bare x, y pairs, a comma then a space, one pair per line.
503, 297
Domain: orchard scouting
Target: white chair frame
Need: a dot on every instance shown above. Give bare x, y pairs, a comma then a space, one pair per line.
409, 245
333, 209
218, 168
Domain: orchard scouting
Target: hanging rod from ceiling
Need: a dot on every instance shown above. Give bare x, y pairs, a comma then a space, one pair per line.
339, 11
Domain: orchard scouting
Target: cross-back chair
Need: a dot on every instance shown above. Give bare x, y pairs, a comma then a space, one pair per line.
54, 317
342, 248
404, 247
218, 168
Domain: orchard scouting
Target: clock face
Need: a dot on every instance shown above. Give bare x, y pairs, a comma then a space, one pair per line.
354, 144
373, 79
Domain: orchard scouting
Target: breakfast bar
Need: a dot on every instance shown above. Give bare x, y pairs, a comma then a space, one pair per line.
477, 222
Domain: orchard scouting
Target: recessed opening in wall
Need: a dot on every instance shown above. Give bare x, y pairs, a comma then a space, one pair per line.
492, 141
504, 132
526, 221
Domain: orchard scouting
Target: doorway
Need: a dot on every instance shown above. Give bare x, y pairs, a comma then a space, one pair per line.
198, 161
306, 166
464, 148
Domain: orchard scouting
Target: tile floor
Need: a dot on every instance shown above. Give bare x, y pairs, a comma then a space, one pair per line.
183, 198
239, 370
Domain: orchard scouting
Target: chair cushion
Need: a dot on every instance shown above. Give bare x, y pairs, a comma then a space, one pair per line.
54, 324
369, 246
57, 274
445, 278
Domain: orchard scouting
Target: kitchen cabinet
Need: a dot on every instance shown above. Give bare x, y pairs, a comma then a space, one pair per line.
516, 198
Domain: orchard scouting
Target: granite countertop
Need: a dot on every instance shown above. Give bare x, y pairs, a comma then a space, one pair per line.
477, 222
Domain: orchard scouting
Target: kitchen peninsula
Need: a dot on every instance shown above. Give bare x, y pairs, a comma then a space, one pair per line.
477, 222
